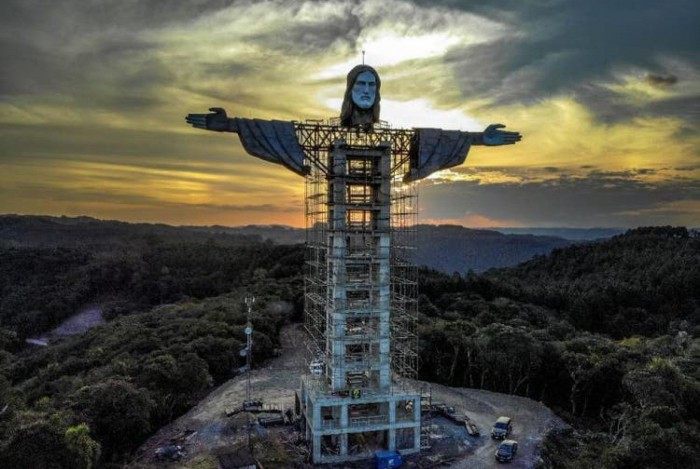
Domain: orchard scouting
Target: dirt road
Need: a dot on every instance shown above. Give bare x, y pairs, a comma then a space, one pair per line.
206, 427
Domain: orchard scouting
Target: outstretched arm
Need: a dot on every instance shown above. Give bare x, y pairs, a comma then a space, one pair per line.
491, 136
217, 121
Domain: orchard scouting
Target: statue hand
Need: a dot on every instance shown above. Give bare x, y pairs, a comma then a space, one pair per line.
493, 136
217, 120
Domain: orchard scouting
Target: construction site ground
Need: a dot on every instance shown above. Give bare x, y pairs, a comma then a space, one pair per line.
209, 437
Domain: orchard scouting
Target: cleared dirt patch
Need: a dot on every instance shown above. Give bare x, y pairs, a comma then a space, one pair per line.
205, 430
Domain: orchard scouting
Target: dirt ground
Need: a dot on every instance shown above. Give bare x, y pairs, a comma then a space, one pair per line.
205, 430
531, 421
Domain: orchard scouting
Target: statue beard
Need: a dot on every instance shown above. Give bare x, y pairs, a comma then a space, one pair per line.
352, 115
362, 116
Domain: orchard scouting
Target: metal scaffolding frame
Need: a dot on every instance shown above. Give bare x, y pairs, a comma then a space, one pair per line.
317, 138
404, 275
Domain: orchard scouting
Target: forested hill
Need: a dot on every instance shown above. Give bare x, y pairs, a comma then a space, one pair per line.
447, 248
47, 231
452, 248
605, 334
635, 283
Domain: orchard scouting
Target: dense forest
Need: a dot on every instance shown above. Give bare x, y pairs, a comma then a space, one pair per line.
606, 334
176, 319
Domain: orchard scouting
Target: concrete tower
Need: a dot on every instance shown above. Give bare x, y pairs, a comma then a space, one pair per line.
351, 405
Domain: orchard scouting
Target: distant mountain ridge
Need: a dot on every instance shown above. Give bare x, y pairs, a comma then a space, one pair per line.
448, 248
453, 248
573, 234
40, 230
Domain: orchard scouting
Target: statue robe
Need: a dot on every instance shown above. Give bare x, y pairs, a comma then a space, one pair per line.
276, 141
436, 149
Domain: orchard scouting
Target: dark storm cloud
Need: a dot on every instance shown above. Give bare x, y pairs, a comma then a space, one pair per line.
610, 107
60, 19
568, 46
121, 59
661, 80
314, 37
557, 46
82, 48
600, 199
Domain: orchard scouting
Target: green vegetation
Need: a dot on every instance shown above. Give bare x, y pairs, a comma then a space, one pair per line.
42, 286
605, 334
97, 396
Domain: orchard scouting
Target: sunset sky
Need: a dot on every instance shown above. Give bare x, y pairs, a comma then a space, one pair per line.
93, 96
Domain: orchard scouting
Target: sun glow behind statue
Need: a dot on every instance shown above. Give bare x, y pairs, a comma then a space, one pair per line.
386, 48
419, 113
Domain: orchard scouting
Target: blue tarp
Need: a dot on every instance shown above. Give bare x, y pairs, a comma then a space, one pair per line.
388, 459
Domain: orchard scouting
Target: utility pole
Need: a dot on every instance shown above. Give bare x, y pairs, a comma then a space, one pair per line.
249, 300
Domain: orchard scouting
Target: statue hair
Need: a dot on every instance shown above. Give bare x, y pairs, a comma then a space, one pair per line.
350, 114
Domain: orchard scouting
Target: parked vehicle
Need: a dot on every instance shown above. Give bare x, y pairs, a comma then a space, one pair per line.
506, 451
502, 428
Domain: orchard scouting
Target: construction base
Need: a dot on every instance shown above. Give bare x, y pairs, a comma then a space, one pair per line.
352, 428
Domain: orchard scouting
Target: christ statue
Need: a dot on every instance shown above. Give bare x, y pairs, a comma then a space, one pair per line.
276, 141
360, 294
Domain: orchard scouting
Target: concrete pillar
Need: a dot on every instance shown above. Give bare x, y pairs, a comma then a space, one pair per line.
343, 444
317, 448
417, 419
344, 423
316, 416
392, 421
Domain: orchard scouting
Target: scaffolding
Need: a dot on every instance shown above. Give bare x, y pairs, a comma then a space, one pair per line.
360, 292
318, 138
404, 275
315, 268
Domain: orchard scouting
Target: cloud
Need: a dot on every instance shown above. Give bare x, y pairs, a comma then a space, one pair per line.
661, 80
577, 48
92, 99
599, 198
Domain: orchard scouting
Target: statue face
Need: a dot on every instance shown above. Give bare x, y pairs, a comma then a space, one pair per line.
364, 91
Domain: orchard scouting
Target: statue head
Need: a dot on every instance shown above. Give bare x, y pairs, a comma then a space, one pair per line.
361, 100
364, 91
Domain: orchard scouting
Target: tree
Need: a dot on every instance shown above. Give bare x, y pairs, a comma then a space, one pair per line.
84, 450
175, 382
118, 411
37, 442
